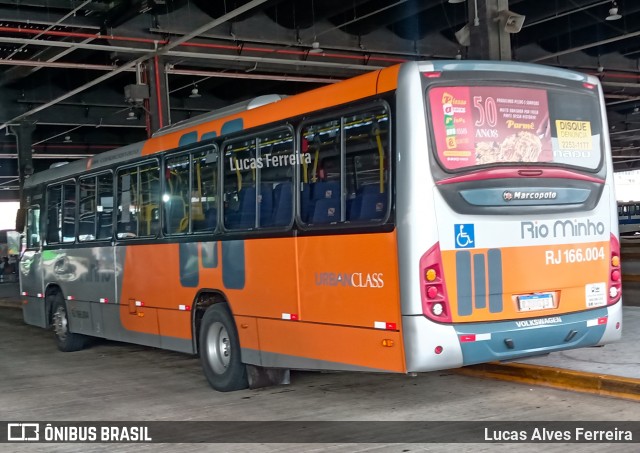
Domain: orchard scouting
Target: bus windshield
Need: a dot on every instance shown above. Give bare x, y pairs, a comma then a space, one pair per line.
488, 125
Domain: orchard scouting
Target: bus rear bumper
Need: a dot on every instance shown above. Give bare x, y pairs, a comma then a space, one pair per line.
523, 338
472, 343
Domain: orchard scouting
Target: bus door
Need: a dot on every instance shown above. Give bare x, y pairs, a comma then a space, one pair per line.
31, 286
140, 267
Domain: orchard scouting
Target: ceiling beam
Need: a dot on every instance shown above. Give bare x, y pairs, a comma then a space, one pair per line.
586, 46
162, 51
201, 55
59, 4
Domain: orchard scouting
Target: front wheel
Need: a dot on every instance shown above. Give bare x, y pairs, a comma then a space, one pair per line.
220, 350
65, 340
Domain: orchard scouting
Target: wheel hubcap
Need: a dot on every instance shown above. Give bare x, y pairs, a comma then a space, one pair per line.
60, 324
218, 347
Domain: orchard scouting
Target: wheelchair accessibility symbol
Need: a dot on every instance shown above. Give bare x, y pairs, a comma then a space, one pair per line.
465, 238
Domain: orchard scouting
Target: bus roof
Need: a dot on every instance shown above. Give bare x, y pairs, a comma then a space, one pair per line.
265, 109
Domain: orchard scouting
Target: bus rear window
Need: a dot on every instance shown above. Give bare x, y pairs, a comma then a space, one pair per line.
487, 125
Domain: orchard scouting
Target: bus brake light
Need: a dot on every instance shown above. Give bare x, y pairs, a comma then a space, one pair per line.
435, 303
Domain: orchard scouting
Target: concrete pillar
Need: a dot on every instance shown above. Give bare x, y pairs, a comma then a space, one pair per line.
23, 133
488, 38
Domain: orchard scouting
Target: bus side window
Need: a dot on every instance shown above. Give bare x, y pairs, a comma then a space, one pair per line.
127, 222
367, 157
276, 178
69, 212
239, 184
105, 206
87, 209
253, 168
204, 190
176, 194
149, 199
346, 179
320, 169
54, 211
138, 201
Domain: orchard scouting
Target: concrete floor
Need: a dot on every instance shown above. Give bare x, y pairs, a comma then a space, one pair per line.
115, 381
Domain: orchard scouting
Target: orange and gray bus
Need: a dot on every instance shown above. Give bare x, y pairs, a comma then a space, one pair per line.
425, 216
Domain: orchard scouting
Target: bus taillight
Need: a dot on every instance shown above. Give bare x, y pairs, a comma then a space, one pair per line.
615, 275
435, 304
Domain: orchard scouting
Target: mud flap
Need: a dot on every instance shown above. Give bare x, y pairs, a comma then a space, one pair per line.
266, 377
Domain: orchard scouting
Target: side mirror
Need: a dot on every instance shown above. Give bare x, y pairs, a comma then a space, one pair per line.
21, 217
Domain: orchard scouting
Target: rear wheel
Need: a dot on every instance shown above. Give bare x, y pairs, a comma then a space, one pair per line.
220, 350
66, 341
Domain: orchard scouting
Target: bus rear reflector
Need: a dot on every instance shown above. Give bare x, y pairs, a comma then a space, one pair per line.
597, 322
471, 337
435, 303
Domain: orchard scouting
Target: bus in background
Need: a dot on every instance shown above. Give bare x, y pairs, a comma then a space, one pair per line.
9, 250
628, 217
425, 216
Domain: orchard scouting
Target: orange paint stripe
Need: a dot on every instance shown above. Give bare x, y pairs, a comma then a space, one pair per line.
578, 381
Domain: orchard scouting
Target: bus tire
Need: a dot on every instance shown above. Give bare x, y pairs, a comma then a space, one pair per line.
65, 340
220, 350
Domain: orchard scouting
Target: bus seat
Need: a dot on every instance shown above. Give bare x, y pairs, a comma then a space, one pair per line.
174, 212
369, 204
354, 206
210, 221
245, 217
104, 225
326, 189
374, 207
283, 204
326, 210
266, 203
128, 229
306, 202
86, 230
369, 189
53, 232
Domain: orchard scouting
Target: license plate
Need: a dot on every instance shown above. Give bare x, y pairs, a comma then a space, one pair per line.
533, 302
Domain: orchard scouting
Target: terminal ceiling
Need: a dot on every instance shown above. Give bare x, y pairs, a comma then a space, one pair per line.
65, 63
